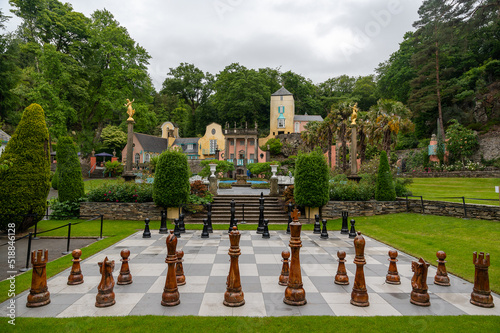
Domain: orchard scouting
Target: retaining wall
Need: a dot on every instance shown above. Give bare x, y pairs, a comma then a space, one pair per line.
122, 210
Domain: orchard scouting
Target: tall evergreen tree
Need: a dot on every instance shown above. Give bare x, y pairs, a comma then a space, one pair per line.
70, 181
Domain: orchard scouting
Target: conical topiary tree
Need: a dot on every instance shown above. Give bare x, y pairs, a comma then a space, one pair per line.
171, 186
25, 172
70, 181
384, 190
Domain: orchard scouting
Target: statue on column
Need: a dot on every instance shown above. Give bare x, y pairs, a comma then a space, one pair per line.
354, 115
130, 111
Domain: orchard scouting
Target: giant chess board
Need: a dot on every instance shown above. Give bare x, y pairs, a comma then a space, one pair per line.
206, 265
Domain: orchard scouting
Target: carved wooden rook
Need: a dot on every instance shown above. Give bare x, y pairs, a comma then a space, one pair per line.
295, 293
39, 293
170, 296
285, 270
125, 277
105, 295
234, 295
317, 226
419, 295
359, 295
179, 269
392, 276
341, 276
481, 293
441, 277
76, 276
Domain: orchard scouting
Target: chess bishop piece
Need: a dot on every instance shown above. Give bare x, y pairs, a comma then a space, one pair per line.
392, 276
182, 224
294, 292
324, 232
234, 295
170, 296
125, 277
179, 269
419, 294
341, 276
39, 293
163, 223
177, 230
345, 228
359, 295
285, 270
481, 293
204, 232
76, 276
441, 277
105, 295
317, 227
265, 232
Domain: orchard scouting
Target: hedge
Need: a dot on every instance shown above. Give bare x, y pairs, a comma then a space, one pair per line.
311, 180
171, 187
384, 190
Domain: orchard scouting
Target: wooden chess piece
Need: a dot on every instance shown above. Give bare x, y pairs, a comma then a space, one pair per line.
392, 276
441, 277
359, 295
125, 277
234, 295
294, 292
341, 276
39, 293
76, 276
170, 296
105, 295
285, 270
419, 295
481, 293
179, 269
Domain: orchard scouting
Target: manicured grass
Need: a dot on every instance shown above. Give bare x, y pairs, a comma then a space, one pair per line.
442, 188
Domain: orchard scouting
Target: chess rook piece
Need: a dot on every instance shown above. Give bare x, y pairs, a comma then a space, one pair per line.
204, 232
146, 233
359, 295
265, 232
234, 295
345, 228
182, 225
260, 228
419, 295
163, 223
209, 217
177, 230
285, 270
392, 276
76, 276
441, 277
170, 296
341, 276
125, 277
179, 270
39, 293
352, 233
481, 293
294, 292
290, 208
317, 226
105, 295
324, 233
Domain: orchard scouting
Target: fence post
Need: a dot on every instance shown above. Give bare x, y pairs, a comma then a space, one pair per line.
102, 221
27, 256
465, 208
422, 202
69, 238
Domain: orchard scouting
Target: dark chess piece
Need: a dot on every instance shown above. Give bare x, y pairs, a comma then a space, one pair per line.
285, 270
209, 217
233, 212
352, 233
345, 228
359, 295
182, 225
294, 292
324, 232
441, 277
105, 295
260, 228
317, 226
392, 276
179, 269
170, 296
341, 276
39, 293
177, 230
204, 232
265, 233
481, 293
76, 276
163, 222
125, 277
290, 208
419, 294
234, 295
146, 233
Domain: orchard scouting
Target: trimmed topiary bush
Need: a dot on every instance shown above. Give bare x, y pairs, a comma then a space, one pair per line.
311, 180
171, 187
70, 184
55, 180
384, 190
25, 175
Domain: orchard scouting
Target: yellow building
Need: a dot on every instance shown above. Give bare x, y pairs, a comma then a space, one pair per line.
212, 140
169, 131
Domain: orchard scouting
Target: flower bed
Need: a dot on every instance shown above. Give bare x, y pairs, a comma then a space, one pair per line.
124, 192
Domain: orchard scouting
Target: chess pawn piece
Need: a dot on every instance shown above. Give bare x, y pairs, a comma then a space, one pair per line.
265, 232
177, 231
359, 295
204, 232
294, 292
39, 293
76, 276
352, 232
341, 276
317, 227
179, 270
419, 295
125, 277
285, 271
234, 295
182, 225
105, 295
146, 233
441, 277
163, 223
324, 233
481, 293
170, 296
345, 228
392, 276
290, 208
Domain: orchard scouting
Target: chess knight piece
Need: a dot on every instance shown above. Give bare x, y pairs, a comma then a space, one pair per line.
76, 276
392, 276
285, 270
481, 293
359, 295
105, 295
419, 295
125, 277
170, 296
130, 111
179, 269
441, 277
39, 293
341, 276
294, 292
234, 295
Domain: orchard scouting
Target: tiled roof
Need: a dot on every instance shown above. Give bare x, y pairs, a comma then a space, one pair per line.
152, 143
300, 117
281, 92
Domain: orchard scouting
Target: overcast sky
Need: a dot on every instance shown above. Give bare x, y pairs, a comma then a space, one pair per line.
317, 39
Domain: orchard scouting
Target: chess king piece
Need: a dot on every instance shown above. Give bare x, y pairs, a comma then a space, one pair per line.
125, 277
39, 293
345, 228
392, 276
179, 269
265, 232
441, 277
204, 232
146, 233
317, 227
290, 208
209, 217
294, 292
76, 276
359, 295
285, 271
324, 232
234, 295
341, 276
170, 296
352, 232
419, 295
481, 293
260, 228
233, 212
105, 295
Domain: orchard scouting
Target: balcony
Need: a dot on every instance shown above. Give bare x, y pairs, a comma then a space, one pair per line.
250, 160
240, 162
230, 160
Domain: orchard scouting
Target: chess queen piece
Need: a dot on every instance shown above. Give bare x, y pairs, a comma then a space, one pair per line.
39, 293
179, 269
234, 295
285, 270
419, 295
170, 296
481, 293
441, 277
76, 276
317, 227
392, 276
125, 277
359, 295
105, 295
294, 292
341, 276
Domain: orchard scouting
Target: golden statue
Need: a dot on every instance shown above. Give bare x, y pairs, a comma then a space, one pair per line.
354, 115
130, 111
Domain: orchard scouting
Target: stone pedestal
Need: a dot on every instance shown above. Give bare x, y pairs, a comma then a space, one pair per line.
213, 185
128, 174
274, 187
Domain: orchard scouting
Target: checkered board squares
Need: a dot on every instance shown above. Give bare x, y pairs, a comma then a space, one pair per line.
206, 265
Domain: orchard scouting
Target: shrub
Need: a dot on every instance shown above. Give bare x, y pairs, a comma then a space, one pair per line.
115, 168
311, 180
384, 190
55, 180
198, 188
274, 146
60, 210
25, 171
222, 167
288, 195
225, 185
342, 189
171, 187
462, 142
70, 183
261, 185
401, 186
124, 192
262, 168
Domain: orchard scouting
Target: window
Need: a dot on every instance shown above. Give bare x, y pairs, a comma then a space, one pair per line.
213, 145
232, 155
190, 146
137, 158
281, 98
297, 127
251, 142
231, 142
147, 158
281, 123
252, 156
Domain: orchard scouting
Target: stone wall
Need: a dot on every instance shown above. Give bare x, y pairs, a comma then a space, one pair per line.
122, 210
454, 174
334, 209
195, 166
